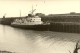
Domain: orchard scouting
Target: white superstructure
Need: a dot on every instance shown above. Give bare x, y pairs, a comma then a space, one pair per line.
30, 20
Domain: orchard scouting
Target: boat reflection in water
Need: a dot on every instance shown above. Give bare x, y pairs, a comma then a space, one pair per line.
30, 41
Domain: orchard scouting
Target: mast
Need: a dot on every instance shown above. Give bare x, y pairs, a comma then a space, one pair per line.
20, 13
32, 10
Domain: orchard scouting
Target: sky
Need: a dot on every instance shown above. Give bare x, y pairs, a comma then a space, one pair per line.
12, 8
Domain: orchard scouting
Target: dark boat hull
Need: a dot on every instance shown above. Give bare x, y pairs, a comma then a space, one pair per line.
32, 27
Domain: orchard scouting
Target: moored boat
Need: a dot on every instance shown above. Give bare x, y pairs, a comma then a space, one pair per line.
31, 22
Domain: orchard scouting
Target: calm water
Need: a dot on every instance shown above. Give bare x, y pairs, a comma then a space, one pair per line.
30, 41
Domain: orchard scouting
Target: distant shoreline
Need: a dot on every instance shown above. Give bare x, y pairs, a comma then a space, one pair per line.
6, 52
